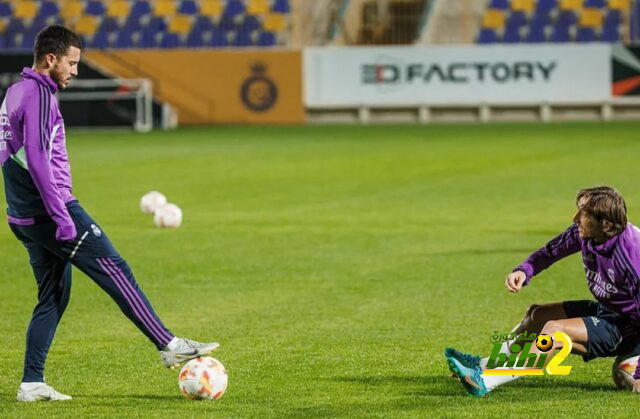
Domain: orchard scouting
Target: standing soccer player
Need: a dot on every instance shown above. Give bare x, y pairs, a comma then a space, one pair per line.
606, 327
48, 220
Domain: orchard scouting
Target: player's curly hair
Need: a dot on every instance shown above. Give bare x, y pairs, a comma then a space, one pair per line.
55, 40
606, 205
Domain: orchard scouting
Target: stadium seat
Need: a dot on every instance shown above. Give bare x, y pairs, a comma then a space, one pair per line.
487, 36
86, 25
202, 23
211, 8
26, 9
71, 10
140, 8
118, 9
180, 24
493, 19
512, 33
258, 7
525, 6
574, 5
610, 33
561, 33
591, 18
217, 38
170, 40
281, 6
132, 24
109, 24
5, 10
157, 24
234, 8
124, 39
566, 18
595, 3
622, 5
242, 39
150, 38
543, 7
586, 35
499, 4
188, 7
47, 9
537, 30
274, 22
100, 40
95, 8
164, 8
195, 39
267, 39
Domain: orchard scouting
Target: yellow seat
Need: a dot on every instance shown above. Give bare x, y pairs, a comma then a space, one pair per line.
493, 19
87, 25
622, 5
522, 6
71, 10
180, 24
118, 8
25, 9
573, 5
211, 8
258, 7
3, 25
591, 18
164, 8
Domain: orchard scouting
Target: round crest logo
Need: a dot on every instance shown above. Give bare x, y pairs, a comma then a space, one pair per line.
259, 93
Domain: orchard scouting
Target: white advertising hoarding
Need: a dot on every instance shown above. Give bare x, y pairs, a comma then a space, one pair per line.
396, 76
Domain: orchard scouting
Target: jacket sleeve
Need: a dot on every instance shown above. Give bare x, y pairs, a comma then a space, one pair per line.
37, 150
558, 248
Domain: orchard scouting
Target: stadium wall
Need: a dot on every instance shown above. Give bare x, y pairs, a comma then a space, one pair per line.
208, 87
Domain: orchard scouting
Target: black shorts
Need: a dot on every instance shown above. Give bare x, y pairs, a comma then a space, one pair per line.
609, 333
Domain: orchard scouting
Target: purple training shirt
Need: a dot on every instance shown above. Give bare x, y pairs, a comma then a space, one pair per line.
611, 268
34, 138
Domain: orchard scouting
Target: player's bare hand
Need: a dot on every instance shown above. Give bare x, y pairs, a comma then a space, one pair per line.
636, 386
515, 281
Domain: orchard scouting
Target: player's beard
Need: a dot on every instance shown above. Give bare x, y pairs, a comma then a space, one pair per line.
57, 77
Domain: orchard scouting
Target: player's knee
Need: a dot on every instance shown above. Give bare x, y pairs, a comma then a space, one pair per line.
553, 326
529, 314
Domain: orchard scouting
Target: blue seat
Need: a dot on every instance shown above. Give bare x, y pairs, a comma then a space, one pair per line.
595, 3
15, 26
195, 39
29, 39
157, 23
170, 40
586, 35
218, 38
543, 7
109, 24
95, 8
499, 4
149, 37
3, 41
487, 36
267, 39
100, 40
281, 6
566, 18
512, 33
140, 8
132, 24
561, 33
188, 7
536, 32
242, 39
233, 9
517, 18
43, 21
610, 34
124, 39
5, 11
47, 9
250, 24
203, 23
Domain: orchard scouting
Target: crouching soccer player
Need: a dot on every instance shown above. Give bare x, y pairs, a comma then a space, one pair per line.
48, 220
606, 327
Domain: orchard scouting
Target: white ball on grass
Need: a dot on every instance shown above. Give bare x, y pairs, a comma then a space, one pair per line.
151, 201
168, 215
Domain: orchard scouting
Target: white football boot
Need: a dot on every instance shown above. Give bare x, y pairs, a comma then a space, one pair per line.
41, 392
185, 350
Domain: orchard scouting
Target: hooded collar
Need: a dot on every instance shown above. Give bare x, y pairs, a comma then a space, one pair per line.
29, 73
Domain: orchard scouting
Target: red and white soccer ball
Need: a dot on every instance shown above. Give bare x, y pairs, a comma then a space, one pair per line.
203, 379
168, 215
622, 371
151, 201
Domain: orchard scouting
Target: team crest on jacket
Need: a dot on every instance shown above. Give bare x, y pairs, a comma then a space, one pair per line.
96, 230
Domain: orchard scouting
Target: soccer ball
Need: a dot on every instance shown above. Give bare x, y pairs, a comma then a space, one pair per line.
544, 342
622, 371
151, 201
203, 378
168, 215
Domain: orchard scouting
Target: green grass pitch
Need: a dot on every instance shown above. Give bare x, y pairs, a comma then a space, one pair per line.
333, 264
